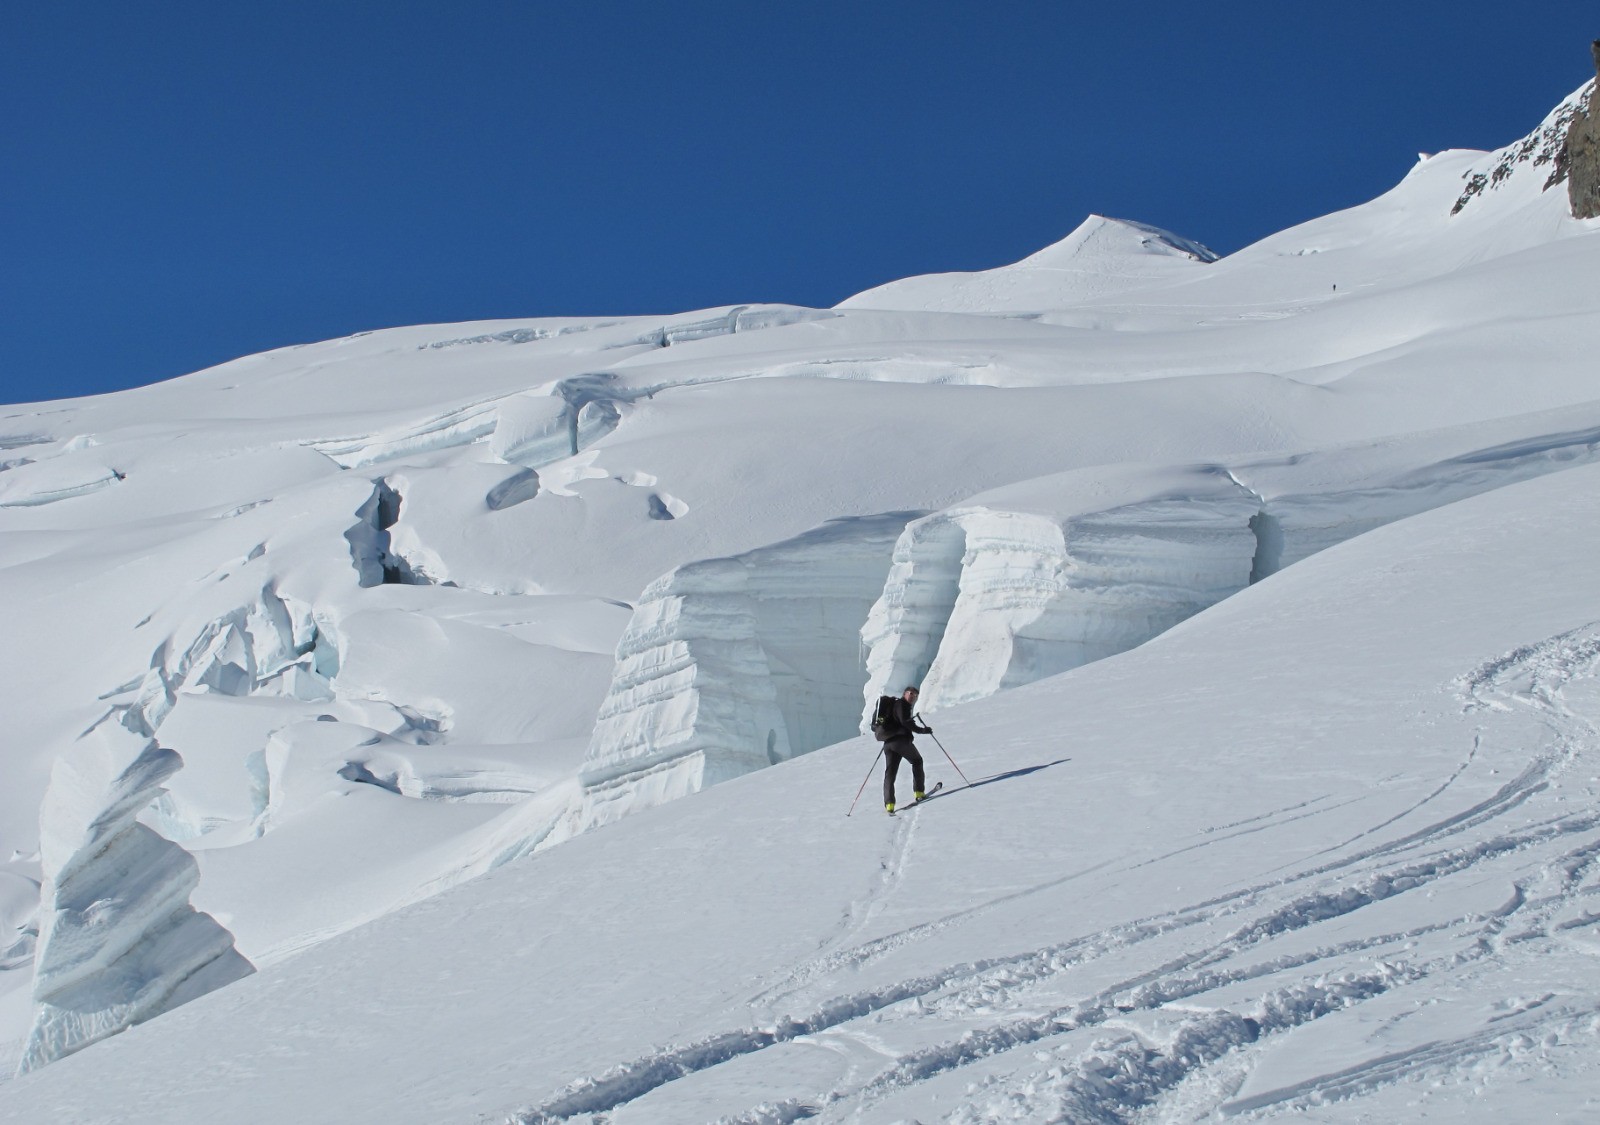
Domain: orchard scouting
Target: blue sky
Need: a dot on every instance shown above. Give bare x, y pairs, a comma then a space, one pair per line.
186, 183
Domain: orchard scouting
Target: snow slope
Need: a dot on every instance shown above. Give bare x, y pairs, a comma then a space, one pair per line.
1194, 877
317, 648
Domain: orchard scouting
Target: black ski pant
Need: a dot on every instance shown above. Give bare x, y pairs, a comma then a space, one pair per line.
892, 753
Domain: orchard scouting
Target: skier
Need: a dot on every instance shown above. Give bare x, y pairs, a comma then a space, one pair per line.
899, 745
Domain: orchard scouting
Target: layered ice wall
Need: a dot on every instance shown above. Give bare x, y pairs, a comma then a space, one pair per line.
989, 597
119, 942
1042, 577
729, 665
1038, 598
906, 625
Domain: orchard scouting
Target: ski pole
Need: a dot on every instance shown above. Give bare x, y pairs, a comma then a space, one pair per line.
864, 781
940, 745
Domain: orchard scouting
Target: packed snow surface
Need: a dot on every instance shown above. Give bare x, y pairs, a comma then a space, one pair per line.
1254, 595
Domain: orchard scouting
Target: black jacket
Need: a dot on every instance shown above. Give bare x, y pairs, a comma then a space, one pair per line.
907, 724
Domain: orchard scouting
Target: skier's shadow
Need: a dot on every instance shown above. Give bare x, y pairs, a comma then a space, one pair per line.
1007, 776
1023, 772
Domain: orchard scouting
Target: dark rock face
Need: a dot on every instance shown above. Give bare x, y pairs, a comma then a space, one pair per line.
1583, 153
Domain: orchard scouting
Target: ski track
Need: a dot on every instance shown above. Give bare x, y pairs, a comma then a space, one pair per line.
892, 869
1545, 845
1431, 1057
1477, 742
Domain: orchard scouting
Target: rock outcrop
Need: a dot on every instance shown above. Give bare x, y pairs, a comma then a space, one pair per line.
1583, 152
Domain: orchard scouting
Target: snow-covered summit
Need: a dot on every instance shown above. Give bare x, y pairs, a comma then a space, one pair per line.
1099, 242
1101, 257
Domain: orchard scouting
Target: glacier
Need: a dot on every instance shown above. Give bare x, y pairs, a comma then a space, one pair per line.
1249, 589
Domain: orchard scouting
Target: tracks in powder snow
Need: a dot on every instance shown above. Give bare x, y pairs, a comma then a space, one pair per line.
1172, 1009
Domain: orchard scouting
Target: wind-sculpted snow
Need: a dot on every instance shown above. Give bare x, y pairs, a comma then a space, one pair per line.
532, 430
526, 430
1306, 507
538, 430
119, 942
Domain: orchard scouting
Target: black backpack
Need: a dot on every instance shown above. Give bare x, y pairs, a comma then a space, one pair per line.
884, 723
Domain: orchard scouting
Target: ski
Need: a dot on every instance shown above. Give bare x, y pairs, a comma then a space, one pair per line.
928, 796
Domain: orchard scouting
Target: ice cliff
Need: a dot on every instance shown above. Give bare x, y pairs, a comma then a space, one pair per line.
1042, 577
729, 665
119, 942
1004, 592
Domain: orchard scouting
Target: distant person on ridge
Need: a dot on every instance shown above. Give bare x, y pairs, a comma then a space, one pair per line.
899, 745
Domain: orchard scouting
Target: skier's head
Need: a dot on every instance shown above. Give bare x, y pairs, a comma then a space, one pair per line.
910, 694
